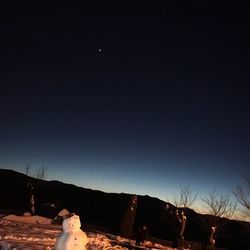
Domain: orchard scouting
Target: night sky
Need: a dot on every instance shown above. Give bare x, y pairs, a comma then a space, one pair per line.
136, 98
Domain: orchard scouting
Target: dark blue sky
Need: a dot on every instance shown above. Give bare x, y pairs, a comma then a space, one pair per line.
126, 97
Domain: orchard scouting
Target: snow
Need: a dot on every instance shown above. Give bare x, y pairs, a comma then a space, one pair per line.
24, 233
35, 219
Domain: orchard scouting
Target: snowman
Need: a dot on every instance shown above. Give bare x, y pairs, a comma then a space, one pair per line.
72, 238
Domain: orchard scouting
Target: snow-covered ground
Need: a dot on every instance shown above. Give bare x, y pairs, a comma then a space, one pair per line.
31, 233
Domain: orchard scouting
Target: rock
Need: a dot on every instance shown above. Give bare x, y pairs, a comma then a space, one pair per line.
26, 214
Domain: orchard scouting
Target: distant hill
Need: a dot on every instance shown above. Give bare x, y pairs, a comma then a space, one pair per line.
106, 210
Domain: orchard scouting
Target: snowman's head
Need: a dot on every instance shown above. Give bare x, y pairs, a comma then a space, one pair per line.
72, 223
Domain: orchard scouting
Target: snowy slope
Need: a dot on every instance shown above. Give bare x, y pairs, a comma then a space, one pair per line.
17, 235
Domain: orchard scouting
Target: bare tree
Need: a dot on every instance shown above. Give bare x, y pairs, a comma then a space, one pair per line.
242, 194
41, 173
185, 198
128, 220
30, 187
182, 219
212, 237
220, 206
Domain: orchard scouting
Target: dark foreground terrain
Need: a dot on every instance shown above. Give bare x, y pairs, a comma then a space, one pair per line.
108, 210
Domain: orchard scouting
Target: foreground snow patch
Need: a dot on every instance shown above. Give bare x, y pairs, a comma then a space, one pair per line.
35, 219
17, 235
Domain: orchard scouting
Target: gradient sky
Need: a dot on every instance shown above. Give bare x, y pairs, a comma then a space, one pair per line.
126, 97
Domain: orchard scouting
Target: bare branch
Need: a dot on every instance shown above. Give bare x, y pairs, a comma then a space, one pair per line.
242, 194
186, 197
220, 205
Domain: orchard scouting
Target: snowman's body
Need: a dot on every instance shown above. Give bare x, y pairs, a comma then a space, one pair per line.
72, 238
